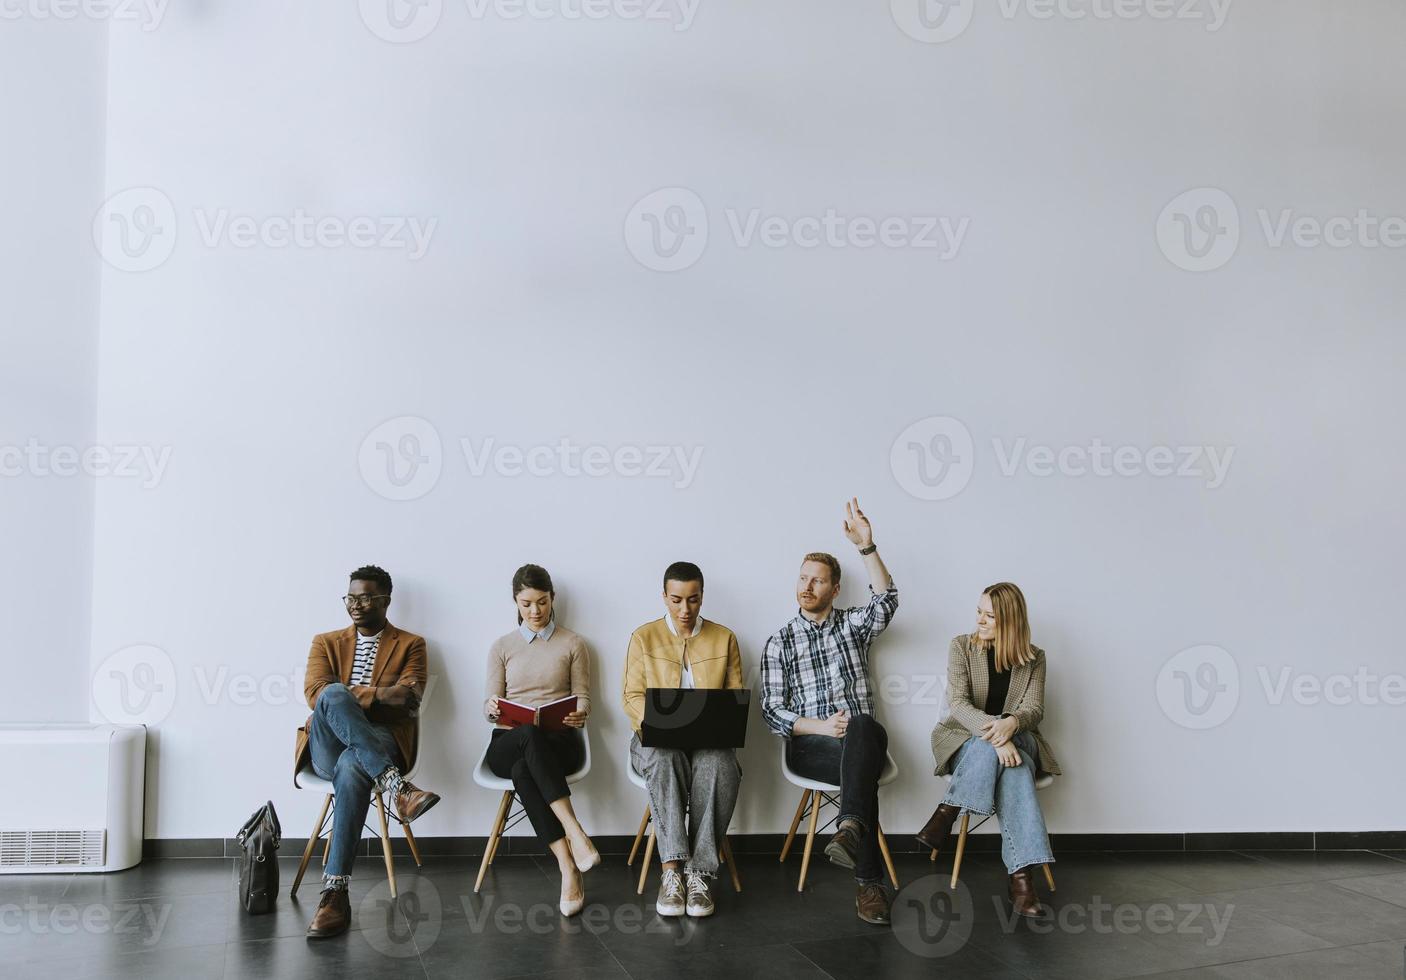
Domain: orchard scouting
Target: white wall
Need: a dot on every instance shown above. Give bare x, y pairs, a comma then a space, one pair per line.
53, 76
794, 369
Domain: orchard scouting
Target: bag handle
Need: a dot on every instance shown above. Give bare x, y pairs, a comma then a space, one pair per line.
265, 813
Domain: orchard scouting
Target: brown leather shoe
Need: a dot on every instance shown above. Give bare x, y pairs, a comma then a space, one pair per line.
333, 915
1023, 897
873, 903
939, 826
412, 803
843, 846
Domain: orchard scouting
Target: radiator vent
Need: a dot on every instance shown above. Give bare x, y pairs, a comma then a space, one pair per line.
52, 848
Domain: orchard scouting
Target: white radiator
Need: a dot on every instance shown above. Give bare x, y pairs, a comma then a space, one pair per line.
81, 803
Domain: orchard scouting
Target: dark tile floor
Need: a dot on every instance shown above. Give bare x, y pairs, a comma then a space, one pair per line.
1282, 915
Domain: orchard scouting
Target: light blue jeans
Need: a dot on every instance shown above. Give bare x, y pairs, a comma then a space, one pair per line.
981, 785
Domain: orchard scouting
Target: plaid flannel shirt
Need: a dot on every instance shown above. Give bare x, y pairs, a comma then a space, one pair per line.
812, 670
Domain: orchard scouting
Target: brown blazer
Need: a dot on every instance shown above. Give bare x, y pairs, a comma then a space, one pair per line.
966, 697
400, 660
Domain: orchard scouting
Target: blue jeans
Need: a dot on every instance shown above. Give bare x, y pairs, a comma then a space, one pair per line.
351, 752
981, 785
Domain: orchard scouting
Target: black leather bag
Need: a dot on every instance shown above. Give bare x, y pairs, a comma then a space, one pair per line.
258, 868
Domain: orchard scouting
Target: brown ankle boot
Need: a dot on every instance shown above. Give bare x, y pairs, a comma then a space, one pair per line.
1023, 897
934, 834
333, 914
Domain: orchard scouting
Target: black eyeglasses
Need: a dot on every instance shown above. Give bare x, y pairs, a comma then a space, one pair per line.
362, 600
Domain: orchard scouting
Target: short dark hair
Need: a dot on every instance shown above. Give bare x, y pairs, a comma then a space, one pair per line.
532, 577
374, 574
683, 571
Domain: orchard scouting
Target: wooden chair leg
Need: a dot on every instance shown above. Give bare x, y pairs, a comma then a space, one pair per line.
888, 858
386, 843
493, 833
731, 864
644, 865
795, 822
1049, 877
312, 842
414, 848
327, 850
961, 848
498, 838
810, 841
639, 836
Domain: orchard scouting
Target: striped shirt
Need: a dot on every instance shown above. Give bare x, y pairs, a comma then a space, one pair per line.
365, 662
812, 670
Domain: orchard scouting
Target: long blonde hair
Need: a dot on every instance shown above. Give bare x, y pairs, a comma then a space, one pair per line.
1012, 627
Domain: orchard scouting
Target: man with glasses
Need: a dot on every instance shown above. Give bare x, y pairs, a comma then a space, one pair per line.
364, 684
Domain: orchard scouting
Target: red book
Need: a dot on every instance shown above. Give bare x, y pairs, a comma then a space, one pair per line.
549, 717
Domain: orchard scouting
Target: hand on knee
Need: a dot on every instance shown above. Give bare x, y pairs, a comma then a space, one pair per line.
332, 692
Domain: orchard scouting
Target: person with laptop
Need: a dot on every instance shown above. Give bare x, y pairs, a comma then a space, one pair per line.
817, 695
692, 791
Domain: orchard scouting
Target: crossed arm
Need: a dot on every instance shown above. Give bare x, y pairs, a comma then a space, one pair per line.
403, 694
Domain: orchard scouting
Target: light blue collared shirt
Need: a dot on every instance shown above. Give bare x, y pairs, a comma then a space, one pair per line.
546, 634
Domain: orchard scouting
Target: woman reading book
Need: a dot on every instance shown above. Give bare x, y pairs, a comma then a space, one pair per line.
538, 666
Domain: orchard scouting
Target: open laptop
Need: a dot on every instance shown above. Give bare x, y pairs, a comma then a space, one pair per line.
692, 718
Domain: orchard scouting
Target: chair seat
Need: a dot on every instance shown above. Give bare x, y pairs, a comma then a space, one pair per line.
307, 779
886, 776
486, 778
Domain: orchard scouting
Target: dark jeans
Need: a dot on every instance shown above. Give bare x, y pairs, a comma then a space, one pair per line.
854, 762
538, 763
350, 751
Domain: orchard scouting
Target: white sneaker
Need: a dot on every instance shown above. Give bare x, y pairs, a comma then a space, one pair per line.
671, 900
700, 901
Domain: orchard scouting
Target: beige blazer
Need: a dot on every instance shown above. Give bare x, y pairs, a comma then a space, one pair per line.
966, 695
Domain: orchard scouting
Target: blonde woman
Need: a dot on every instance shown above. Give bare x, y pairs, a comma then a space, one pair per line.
990, 742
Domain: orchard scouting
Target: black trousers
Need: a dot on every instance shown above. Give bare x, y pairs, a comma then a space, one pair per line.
854, 762
538, 763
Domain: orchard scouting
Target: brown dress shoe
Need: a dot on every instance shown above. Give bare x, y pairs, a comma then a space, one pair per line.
1023, 897
935, 832
843, 846
412, 803
333, 915
873, 902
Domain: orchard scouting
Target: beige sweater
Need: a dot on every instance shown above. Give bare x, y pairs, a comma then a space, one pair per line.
542, 671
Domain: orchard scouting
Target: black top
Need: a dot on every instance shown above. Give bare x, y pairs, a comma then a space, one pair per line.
998, 685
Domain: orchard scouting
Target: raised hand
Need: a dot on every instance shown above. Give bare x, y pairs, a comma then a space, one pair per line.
857, 527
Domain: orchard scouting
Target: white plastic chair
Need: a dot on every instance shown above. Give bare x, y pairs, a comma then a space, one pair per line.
816, 795
1041, 782
724, 853
307, 779
507, 819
